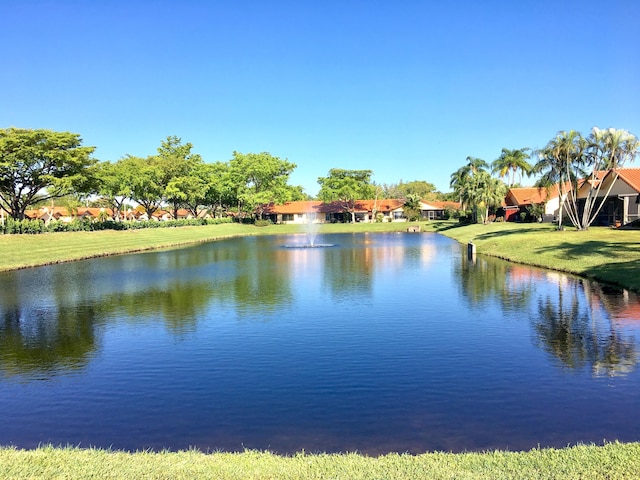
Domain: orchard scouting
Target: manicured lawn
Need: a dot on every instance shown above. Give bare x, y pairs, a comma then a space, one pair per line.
612, 461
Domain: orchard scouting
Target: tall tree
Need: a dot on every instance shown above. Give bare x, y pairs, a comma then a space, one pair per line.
574, 163
466, 185
114, 185
260, 179
346, 187
37, 165
561, 163
221, 193
607, 151
146, 179
510, 162
182, 179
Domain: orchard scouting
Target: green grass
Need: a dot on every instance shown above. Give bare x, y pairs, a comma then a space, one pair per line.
612, 461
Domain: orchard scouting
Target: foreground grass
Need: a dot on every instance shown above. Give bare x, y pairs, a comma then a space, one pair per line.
604, 254
611, 461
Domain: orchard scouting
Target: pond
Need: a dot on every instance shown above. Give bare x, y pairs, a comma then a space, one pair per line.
377, 343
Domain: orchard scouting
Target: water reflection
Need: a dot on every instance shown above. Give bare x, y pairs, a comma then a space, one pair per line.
381, 343
574, 326
42, 343
483, 278
576, 321
51, 318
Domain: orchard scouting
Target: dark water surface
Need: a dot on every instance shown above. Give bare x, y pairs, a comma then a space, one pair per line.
380, 343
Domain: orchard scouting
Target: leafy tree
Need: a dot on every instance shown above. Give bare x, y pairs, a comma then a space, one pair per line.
114, 184
423, 189
37, 165
488, 192
260, 179
221, 193
183, 177
190, 190
510, 162
346, 187
146, 181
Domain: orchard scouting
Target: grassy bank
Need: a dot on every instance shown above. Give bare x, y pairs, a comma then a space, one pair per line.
600, 253
612, 461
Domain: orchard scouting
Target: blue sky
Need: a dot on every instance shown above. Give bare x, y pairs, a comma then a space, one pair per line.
407, 89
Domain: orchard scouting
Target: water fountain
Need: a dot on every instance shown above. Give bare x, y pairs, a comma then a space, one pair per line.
311, 233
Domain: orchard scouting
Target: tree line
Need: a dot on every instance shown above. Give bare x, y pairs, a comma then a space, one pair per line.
38, 166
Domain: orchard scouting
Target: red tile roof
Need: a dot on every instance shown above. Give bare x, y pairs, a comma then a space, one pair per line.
530, 196
310, 206
314, 206
630, 176
442, 205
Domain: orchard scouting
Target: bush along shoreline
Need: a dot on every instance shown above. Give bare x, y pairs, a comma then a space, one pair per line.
34, 227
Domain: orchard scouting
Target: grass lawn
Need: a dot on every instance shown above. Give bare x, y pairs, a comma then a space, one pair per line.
612, 461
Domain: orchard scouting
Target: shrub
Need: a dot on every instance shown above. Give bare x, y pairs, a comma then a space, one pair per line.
28, 226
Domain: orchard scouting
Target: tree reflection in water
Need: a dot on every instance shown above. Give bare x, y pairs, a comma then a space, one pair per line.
574, 320
46, 342
576, 327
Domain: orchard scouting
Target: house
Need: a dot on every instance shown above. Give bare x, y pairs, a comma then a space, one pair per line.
622, 204
385, 210
518, 200
65, 214
299, 212
434, 210
313, 211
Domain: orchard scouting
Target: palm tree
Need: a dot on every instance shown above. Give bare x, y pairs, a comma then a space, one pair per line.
510, 161
461, 178
607, 151
561, 162
489, 192
411, 207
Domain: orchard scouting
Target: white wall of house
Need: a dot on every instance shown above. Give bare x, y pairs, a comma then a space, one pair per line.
303, 218
396, 215
551, 209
